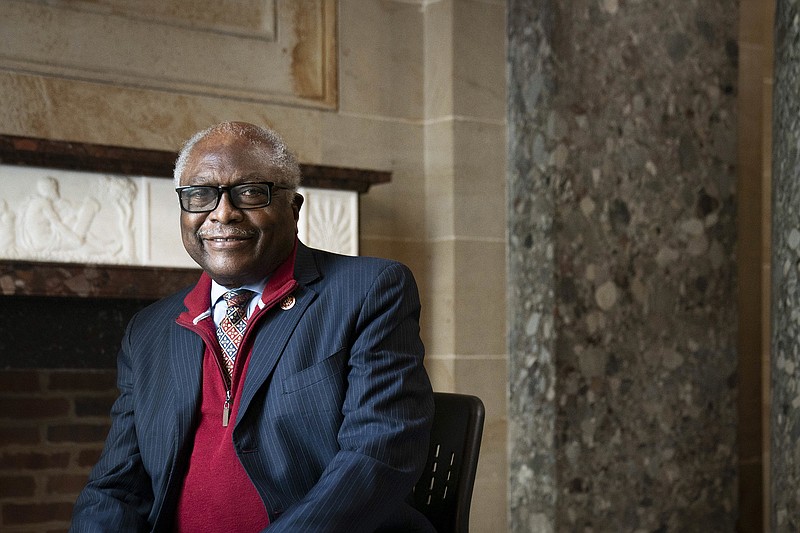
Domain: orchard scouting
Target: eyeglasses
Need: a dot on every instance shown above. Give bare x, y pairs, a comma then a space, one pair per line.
205, 198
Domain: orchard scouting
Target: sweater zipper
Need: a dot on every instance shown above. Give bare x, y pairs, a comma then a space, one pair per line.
226, 408
228, 383
285, 290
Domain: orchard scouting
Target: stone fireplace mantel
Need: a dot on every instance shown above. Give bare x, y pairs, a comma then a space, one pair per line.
76, 204
104, 243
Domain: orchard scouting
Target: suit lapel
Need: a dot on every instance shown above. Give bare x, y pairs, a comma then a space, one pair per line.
270, 344
276, 328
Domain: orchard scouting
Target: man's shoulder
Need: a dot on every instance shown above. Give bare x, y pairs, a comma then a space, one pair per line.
168, 305
358, 274
333, 262
327, 257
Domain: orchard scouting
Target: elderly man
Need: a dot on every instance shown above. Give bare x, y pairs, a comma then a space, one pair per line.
284, 391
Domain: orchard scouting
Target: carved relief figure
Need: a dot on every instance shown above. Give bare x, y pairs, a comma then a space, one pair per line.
121, 193
49, 224
6, 229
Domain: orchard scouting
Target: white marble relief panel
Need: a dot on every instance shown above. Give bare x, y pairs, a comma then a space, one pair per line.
161, 224
59, 216
67, 216
84, 217
329, 220
276, 51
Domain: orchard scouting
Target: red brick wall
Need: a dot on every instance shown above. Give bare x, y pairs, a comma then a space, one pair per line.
52, 427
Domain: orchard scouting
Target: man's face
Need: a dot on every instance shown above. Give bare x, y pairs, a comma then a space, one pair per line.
237, 246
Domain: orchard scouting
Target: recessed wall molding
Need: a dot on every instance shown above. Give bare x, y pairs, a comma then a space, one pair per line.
272, 51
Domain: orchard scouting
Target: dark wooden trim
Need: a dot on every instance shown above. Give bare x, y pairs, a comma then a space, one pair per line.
348, 179
28, 278
66, 155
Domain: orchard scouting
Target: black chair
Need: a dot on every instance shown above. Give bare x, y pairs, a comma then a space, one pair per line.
444, 491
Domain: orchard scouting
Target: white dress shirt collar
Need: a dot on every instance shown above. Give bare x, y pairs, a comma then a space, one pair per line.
217, 290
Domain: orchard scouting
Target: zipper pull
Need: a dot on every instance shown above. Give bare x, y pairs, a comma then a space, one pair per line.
226, 409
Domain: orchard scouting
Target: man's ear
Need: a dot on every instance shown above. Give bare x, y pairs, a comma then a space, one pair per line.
297, 203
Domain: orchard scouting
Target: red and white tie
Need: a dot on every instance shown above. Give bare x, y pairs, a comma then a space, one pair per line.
231, 328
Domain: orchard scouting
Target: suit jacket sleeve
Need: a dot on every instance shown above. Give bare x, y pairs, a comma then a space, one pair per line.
118, 496
388, 411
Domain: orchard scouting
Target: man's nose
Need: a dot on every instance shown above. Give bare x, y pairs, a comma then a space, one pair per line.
226, 212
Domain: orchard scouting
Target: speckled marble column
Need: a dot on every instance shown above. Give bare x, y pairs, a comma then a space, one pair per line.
785, 420
621, 265
531, 271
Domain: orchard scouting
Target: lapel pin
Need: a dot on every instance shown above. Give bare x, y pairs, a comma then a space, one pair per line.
288, 303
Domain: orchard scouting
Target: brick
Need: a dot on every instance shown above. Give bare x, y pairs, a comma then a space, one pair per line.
88, 458
17, 486
33, 513
33, 460
19, 435
19, 381
77, 433
27, 408
84, 380
98, 406
66, 484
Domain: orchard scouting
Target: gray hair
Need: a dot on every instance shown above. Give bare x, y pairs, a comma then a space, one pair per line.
275, 153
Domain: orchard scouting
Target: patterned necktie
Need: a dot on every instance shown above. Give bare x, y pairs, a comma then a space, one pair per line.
231, 328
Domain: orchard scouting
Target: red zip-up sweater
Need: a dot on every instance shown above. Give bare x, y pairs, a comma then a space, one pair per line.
217, 494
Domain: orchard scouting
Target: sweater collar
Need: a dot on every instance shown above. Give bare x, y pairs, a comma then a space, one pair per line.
198, 300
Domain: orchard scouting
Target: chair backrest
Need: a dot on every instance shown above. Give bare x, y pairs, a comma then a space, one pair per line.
444, 491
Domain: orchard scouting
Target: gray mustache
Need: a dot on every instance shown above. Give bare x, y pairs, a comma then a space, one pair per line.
228, 233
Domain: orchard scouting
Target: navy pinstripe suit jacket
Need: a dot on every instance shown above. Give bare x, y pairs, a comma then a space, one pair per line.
335, 411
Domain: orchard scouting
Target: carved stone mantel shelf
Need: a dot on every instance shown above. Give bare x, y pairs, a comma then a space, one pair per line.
146, 265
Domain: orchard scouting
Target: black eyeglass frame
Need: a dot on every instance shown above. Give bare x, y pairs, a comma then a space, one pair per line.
220, 189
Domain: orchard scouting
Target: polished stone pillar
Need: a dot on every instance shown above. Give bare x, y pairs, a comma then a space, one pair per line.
785, 389
531, 270
621, 194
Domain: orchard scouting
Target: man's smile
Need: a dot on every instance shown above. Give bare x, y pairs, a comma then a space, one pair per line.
226, 238
226, 242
